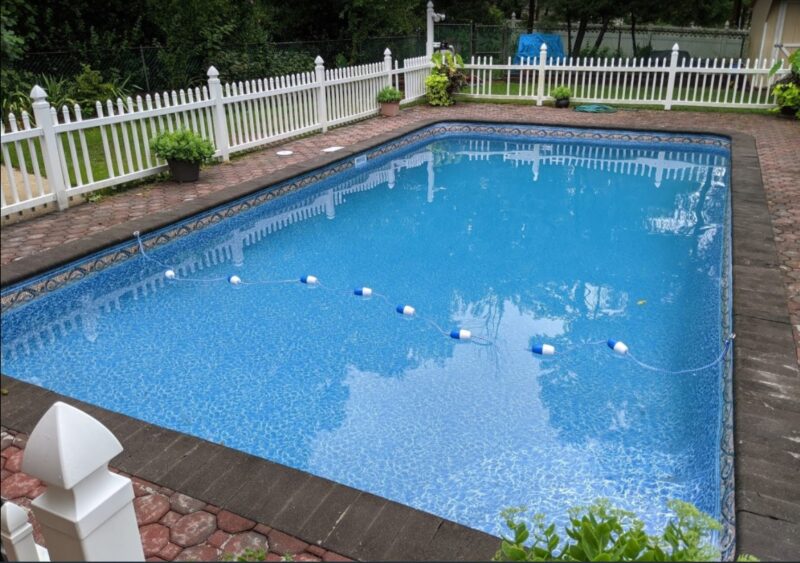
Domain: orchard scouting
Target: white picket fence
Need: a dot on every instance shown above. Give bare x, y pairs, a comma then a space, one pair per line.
55, 156
724, 83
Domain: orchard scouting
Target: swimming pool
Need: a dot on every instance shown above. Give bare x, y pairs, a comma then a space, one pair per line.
523, 235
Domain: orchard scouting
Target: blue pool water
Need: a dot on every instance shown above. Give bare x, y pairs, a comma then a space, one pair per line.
521, 241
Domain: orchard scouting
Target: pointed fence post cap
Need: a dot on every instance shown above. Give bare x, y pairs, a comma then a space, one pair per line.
38, 93
430, 4
319, 60
14, 518
212, 72
675, 47
67, 446
387, 52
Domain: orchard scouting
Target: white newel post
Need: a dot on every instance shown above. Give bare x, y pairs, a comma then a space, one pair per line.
387, 66
540, 74
44, 119
322, 104
17, 535
86, 513
429, 31
220, 123
673, 65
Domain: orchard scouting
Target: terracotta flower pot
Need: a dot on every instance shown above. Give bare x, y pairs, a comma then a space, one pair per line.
184, 171
562, 103
390, 109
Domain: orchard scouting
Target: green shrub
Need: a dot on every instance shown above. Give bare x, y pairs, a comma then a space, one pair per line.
436, 90
561, 93
788, 96
450, 79
182, 145
603, 533
89, 88
389, 95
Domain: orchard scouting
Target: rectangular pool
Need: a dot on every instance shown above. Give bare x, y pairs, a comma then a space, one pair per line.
523, 235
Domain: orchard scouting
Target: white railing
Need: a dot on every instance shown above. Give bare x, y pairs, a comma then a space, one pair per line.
65, 155
725, 83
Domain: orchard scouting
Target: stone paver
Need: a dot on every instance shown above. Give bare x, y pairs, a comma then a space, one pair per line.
193, 529
150, 508
777, 141
167, 535
185, 504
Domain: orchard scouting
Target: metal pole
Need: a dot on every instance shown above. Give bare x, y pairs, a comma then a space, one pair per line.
144, 68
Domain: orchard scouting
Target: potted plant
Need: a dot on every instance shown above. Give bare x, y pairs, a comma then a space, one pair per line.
389, 98
561, 95
184, 152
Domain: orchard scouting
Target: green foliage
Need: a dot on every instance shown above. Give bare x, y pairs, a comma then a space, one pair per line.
247, 555
787, 96
436, 87
389, 95
561, 93
601, 532
182, 145
446, 78
89, 87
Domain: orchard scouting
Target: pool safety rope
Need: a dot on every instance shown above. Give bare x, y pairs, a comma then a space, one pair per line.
408, 311
622, 349
458, 333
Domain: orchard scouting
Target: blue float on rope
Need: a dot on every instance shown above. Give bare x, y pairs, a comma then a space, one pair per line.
363, 291
618, 346
461, 334
544, 349
234, 280
406, 310
309, 280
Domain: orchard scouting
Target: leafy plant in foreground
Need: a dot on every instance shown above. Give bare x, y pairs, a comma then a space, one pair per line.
601, 532
561, 93
446, 78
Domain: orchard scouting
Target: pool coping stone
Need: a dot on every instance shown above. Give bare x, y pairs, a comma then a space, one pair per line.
322, 512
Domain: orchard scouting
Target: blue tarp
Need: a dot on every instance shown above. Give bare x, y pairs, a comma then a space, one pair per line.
530, 44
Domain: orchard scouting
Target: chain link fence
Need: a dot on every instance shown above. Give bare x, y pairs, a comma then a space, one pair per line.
500, 41
150, 69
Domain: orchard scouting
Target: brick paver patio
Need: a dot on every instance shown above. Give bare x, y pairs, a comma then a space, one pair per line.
777, 139
173, 526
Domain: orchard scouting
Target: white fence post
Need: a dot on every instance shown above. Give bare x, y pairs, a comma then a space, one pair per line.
17, 535
322, 104
387, 66
429, 31
220, 123
44, 119
86, 513
540, 74
673, 65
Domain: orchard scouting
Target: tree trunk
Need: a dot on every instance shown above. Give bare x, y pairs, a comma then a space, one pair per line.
531, 8
582, 24
569, 33
633, 33
736, 14
599, 41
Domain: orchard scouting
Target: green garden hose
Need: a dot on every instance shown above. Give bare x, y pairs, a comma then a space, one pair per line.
595, 108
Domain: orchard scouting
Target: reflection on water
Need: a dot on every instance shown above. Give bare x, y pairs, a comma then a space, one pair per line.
520, 242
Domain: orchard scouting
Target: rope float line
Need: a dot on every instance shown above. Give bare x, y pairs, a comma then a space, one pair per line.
405, 310
408, 311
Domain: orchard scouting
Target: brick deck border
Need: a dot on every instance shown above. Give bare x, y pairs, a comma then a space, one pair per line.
363, 526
